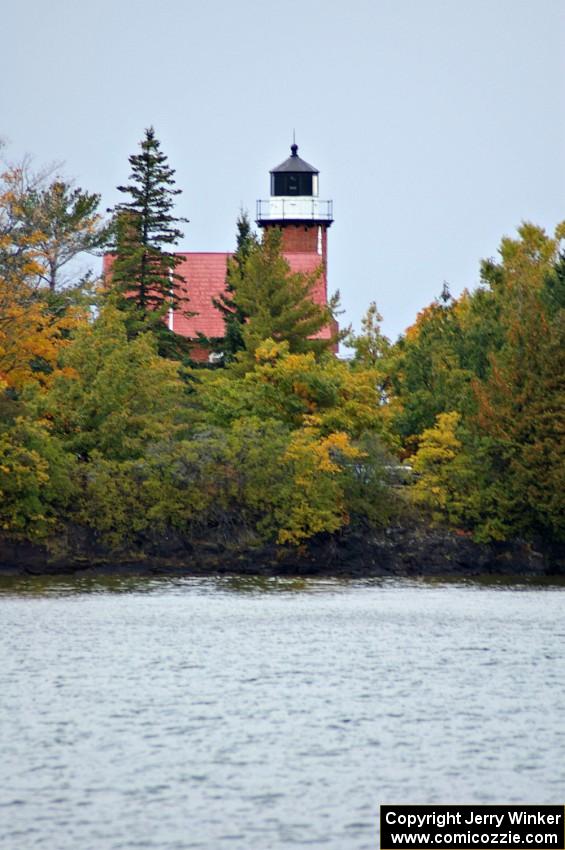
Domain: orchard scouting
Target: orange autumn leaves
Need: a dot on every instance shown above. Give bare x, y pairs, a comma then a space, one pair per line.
30, 338
31, 335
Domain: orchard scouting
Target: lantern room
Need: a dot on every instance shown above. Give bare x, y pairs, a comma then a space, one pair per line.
294, 194
294, 176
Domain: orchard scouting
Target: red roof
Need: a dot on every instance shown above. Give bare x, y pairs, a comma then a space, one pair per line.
205, 275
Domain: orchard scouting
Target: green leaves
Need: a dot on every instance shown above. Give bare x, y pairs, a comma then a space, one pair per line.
287, 442
479, 396
116, 395
65, 222
36, 480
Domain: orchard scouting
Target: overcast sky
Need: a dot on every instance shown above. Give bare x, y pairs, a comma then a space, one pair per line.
437, 125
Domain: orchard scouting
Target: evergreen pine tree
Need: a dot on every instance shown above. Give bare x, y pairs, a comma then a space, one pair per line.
278, 302
233, 314
145, 230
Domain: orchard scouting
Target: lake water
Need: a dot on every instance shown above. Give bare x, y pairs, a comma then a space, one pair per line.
241, 715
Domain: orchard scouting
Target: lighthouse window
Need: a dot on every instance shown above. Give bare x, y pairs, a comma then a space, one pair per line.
291, 184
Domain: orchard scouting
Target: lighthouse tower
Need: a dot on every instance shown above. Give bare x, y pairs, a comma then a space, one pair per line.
304, 219
295, 207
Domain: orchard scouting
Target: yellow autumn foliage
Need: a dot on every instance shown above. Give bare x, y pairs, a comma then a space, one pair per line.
31, 337
318, 501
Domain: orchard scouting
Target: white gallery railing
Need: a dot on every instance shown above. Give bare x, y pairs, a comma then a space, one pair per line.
279, 208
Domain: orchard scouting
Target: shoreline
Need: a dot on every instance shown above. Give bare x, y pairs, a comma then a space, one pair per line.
403, 551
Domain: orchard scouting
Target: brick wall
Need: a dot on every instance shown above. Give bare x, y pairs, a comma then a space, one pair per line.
298, 238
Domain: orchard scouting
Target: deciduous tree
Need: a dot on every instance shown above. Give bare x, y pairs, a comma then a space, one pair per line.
116, 395
32, 334
64, 222
50, 219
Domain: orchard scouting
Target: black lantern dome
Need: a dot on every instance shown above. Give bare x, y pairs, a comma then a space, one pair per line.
294, 176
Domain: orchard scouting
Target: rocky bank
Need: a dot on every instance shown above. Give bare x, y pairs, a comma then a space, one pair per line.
410, 550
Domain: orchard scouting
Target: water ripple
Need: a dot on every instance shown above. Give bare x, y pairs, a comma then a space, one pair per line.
229, 713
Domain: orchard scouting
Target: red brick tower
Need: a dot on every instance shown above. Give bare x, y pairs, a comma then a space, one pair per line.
294, 207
